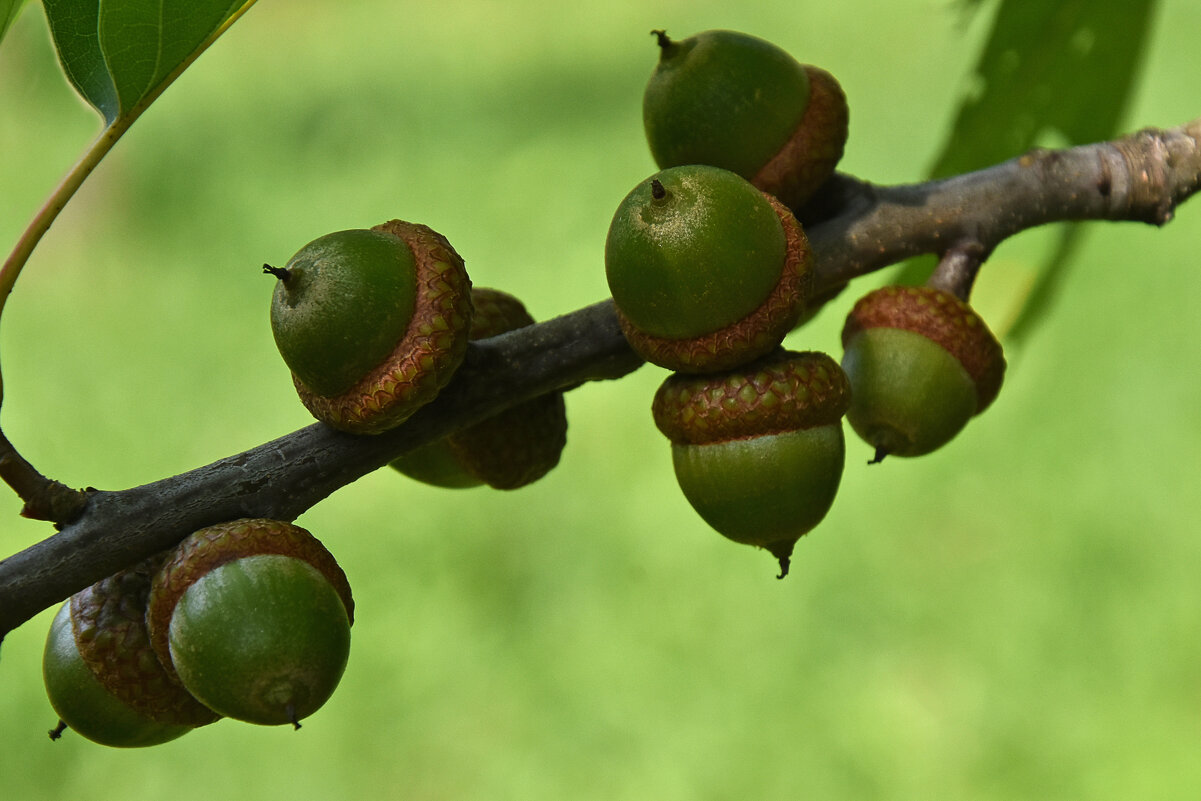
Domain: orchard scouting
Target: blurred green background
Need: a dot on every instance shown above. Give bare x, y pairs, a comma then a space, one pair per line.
1015, 617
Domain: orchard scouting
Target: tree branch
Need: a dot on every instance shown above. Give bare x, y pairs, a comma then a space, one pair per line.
854, 229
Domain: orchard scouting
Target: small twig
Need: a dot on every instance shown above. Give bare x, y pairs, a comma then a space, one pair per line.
45, 499
957, 269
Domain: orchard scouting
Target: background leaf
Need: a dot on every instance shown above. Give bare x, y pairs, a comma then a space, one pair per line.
74, 26
118, 53
1054, 73
8, 12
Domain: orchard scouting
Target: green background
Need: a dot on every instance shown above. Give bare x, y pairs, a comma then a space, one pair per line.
1014, 617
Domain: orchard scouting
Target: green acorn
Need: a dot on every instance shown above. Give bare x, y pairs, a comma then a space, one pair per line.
706, 271
507, 451
254, 617
736, 101
101, 674
759, 451
372, 323
921, 364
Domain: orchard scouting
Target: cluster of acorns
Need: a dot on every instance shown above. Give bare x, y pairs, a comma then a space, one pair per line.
709, 270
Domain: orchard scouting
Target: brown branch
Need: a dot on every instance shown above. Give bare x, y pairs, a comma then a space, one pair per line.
854, 229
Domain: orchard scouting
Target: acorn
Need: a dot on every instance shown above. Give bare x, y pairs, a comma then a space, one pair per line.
102, 676
510, 450
706, 271
254, 617
371, 323
736, 101
759, 451
921, 364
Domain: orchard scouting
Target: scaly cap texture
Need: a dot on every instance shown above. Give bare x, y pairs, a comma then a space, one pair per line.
109, 622
810, 155
782, 392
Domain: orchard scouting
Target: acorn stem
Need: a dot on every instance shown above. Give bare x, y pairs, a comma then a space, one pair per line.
785, 561
291, 710
665, 42
881, 452
282, 273
58, 730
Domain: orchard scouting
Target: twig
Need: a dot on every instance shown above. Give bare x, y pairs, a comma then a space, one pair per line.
862, 228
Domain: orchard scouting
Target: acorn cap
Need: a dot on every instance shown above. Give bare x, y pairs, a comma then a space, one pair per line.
782, 392
706, 272
815, 147
415, 364
206, 549
942, 318
759, 451
109, 623
521, 444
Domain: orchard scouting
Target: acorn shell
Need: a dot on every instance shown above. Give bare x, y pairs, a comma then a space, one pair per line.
706, 271
393, 373
211, 547
942, 318
262, 639
759, 451
506, 451
922, 363
722, 98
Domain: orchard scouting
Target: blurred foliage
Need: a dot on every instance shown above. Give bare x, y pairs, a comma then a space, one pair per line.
1013, 617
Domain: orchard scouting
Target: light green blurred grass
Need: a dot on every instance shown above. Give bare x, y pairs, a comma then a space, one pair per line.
1015, 617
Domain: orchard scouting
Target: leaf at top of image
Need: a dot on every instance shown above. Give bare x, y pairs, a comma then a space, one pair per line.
118, 52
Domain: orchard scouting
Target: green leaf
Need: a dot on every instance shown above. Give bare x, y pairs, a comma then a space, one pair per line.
117, 53
1062, 70
1066, 67
9, 9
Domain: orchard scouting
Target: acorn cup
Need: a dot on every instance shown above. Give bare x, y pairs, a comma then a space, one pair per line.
102, 676
759, 451
706, 271
372, 323
738, 102
510, 450
254, 617
921, 363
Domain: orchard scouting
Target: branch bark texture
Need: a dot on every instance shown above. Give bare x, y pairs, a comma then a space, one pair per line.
855, 228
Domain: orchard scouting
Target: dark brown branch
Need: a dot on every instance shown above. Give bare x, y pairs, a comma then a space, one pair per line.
861, 228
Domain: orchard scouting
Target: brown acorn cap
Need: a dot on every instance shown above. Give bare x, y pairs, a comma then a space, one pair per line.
754, 335
109, 623
209, 548
521, 444
425, 358
810, 155
784, 391
941, 317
